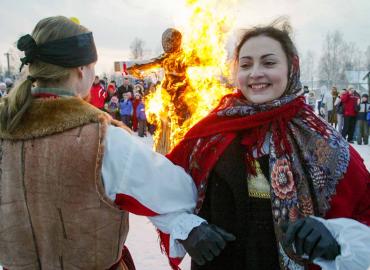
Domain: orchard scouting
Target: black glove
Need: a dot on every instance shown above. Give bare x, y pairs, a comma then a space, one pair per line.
311, 237
206, 242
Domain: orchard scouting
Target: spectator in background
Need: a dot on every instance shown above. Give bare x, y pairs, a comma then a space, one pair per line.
125, 88
349, 100
9, 84
305, 90
363, 129
327, 104
112, 102
3, 92
339, 109
306, 93
111, 90
126, 110
130, 96
135, 102
311, 100
357, 94
139, 88
357, 127
103, 84
332, 112
113, 107
140, 115
321, 106
97, 94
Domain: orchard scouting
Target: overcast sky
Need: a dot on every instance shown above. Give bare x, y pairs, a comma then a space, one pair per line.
115, 23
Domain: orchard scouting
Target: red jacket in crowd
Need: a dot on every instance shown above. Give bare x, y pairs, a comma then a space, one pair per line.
349, 102
97, 95
135, 103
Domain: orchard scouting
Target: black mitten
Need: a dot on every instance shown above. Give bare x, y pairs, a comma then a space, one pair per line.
206, 242
311, 237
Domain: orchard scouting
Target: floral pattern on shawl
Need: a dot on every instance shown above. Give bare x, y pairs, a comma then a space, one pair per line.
304, 179
312, 162
282, 180
241, 107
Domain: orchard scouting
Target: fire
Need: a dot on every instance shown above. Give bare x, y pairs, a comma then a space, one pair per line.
205, 58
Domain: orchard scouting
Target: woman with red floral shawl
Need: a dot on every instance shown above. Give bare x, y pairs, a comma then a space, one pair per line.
268, 170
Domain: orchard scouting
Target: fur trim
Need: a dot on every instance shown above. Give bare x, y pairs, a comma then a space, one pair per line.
50, 116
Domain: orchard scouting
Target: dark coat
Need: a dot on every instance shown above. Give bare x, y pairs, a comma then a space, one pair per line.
228, 205
122, 89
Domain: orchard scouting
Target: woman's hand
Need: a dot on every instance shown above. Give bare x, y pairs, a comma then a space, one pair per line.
206, 242
311, 237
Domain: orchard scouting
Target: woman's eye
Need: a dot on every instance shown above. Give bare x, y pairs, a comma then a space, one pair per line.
269, 63
245, 65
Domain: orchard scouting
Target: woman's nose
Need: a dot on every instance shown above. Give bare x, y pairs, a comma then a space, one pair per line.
256, 72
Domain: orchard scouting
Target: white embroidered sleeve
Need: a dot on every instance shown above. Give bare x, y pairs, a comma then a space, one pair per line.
178, 225
132, 169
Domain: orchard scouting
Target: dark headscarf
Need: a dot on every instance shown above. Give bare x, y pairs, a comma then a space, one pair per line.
73, 51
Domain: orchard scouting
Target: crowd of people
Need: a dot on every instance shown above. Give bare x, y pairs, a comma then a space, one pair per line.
347, 110
124, 103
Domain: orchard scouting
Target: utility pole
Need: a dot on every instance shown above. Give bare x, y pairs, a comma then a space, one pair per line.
7, 58
368, 81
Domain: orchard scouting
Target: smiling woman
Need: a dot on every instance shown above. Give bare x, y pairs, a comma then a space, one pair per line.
263, 69
263, 59
283, 181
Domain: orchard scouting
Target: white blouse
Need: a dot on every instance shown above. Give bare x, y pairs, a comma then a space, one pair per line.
149, 181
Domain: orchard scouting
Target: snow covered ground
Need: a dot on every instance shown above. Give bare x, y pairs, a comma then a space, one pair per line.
364, 151
143, 244
143, 240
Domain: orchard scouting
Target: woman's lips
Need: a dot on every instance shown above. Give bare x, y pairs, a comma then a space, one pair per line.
258, 86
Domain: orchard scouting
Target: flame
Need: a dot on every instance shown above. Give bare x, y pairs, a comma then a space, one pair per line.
205, 58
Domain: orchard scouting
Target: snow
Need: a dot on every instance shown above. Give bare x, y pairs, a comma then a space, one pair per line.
143, 244
364, 151
142, 239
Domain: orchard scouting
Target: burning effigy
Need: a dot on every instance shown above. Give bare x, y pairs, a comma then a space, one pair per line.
194, 64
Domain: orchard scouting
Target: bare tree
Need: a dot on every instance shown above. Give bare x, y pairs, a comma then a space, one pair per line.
330, 68
308, 68
352, 57
367, 54
339, 56
137, 48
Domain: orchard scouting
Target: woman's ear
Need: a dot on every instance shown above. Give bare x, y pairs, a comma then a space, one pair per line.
80, 72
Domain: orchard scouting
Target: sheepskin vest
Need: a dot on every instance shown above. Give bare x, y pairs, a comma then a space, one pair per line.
54, 213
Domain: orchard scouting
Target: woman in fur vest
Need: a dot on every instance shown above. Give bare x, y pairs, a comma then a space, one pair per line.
68, 172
